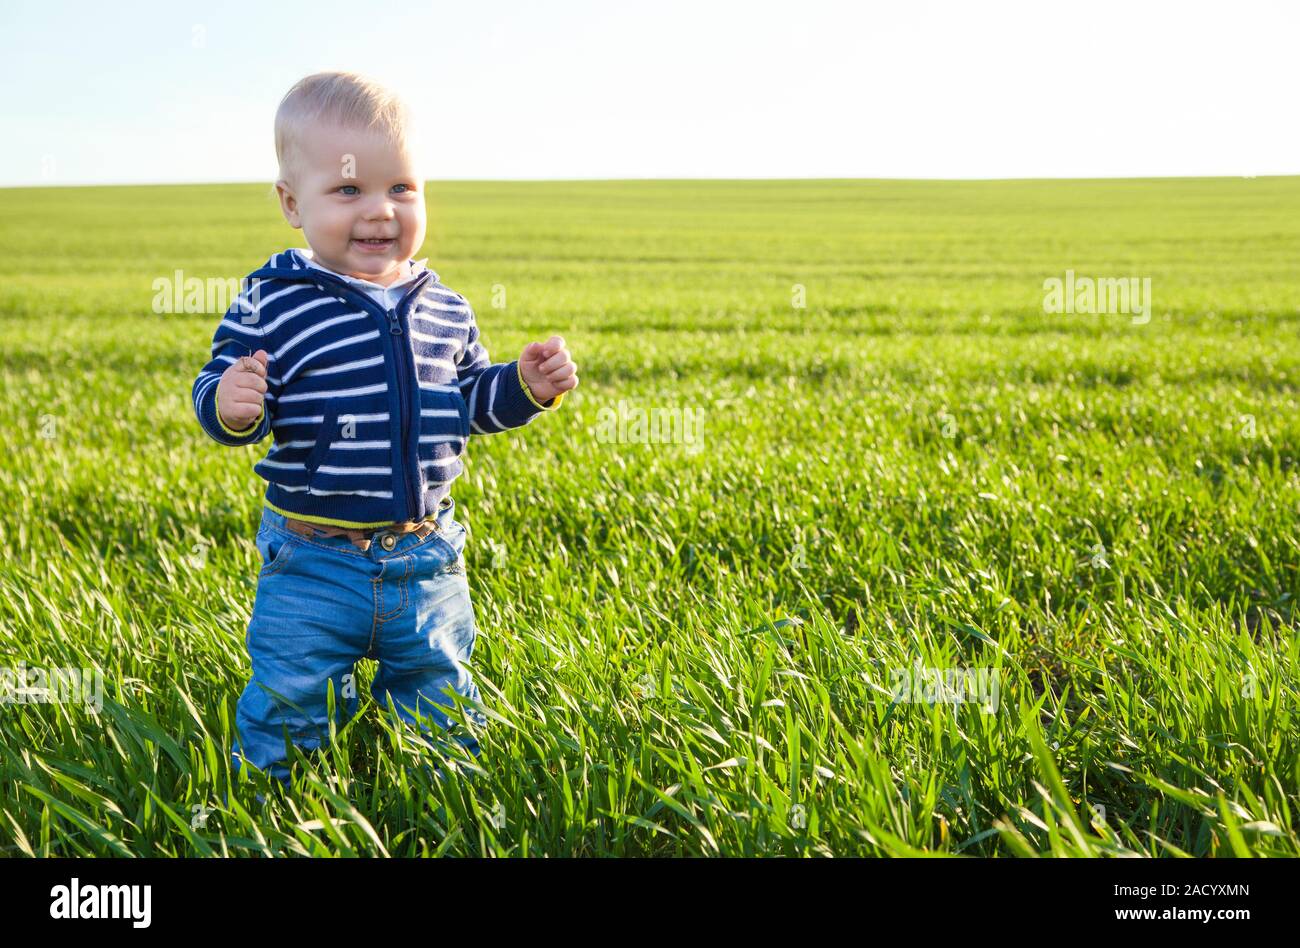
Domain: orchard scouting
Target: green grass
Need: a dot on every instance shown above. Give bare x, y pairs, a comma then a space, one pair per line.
692, 651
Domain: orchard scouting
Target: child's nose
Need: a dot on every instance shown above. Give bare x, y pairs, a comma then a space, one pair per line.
381, 210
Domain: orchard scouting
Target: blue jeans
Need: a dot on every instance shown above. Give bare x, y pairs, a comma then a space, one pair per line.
322, 604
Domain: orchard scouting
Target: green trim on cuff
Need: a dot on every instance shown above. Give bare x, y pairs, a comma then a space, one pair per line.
555, 402
246, 431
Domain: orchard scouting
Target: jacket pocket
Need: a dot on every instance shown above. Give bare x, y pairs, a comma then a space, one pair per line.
463, 408
444, 433
444, 413
353, 453
325, 436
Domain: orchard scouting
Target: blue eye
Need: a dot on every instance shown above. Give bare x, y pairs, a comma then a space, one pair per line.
407, 186
347, 186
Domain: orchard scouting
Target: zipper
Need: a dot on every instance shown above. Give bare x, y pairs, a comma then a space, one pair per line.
406, 364
399, 345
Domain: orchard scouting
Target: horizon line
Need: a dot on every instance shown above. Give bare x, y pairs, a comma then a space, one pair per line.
682, 178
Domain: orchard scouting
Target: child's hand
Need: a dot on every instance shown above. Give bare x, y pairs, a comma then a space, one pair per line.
547, 368
240, 391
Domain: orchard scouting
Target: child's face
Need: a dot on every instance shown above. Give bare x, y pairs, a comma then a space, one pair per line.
348, 186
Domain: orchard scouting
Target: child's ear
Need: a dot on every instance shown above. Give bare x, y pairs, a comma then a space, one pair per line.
288, 203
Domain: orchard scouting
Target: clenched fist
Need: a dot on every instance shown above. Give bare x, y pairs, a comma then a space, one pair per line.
240, 391
547, 368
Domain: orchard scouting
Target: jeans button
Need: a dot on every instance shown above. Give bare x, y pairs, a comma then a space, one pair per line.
388, 541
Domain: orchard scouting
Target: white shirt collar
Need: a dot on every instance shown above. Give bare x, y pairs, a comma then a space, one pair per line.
410, 269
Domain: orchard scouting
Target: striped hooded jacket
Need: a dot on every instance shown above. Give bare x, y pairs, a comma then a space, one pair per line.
370, 410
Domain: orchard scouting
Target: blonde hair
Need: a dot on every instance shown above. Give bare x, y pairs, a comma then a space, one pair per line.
346, 98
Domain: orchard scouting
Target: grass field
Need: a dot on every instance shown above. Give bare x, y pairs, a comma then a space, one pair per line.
692, 648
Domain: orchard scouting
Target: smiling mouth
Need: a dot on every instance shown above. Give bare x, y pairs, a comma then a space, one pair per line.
374, 243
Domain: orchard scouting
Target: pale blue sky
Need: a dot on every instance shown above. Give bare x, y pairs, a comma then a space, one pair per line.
167, 92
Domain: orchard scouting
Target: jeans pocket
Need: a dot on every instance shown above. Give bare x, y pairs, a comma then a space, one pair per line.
446, 547
455, 536
276, 548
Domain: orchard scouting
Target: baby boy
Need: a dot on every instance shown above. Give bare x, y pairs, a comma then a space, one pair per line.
369, 374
